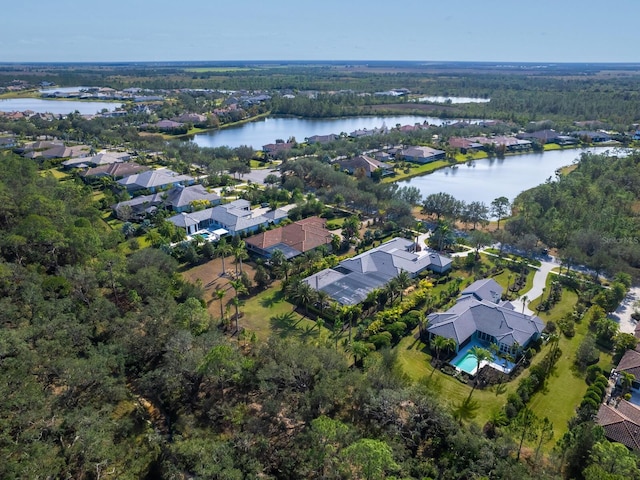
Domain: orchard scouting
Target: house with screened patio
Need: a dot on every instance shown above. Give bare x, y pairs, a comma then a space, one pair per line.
481, 317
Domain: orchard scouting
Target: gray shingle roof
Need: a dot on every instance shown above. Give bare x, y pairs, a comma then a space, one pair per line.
486, 289
469, 315
373, 269
153, 179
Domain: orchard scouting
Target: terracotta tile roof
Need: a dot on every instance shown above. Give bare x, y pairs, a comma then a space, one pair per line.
630, 363
621, 424
303, 235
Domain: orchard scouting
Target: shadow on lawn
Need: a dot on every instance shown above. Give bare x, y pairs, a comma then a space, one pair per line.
271, 300
287, 324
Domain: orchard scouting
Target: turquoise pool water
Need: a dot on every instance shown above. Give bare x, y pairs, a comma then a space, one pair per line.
468, 364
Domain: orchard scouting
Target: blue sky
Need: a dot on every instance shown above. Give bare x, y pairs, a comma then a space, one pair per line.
456, 30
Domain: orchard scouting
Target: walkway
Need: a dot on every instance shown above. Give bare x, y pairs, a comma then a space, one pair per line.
539, 283
622, 314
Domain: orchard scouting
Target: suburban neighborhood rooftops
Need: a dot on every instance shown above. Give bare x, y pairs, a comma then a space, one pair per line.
486, 289
154, 179
297, 237
351, 281
479, 309
630, 363
621, 423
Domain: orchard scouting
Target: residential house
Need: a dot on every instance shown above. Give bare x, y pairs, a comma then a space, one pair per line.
7, 142
351, 280
480, 314
62, 151
547, 136
292, 240
194, 118
366, 164
102, 158
464, 144
630, 363
422, 154
273, 149
114, 170
322, 139
154, 180
236, 217
621, 423
511, 144
592, 136
178, 199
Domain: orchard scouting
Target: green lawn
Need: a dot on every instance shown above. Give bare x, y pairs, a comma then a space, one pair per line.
565, 387
56, 173
260, 310
414, 359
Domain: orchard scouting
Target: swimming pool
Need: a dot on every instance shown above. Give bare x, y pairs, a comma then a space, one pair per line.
468, 364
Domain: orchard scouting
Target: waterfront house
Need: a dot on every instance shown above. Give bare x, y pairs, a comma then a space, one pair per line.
422, 154
366, 164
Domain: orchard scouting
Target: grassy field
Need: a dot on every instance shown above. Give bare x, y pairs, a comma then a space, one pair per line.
414, 357
566, 386
56, 173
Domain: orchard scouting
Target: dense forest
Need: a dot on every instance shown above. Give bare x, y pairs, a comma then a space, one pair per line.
590, 215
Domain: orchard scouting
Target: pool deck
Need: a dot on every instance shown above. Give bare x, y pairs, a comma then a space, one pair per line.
498, 364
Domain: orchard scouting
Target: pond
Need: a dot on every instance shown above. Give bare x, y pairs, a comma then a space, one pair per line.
267, 130
487, 179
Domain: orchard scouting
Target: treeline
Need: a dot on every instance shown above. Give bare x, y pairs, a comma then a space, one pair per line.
590, 215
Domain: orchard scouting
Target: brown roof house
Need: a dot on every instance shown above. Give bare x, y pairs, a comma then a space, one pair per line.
114, 170
621, 423
366, 163
293, 239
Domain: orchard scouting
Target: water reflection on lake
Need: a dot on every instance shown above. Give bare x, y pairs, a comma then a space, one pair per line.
484, 180
267, 130
57, 107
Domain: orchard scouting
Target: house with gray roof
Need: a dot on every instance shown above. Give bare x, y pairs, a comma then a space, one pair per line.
236, 217
422, 154
351, 280
154, 180
102, 158
480, 314
178, 199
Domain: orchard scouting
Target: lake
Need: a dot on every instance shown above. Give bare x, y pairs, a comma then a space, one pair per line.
267, 130
488, 179
58, 107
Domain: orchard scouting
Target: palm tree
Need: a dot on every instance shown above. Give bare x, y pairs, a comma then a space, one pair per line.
524, 300
302, 294
349, 313
626, 380
359, 350
403, 281
440, 344
323, 299
240, 252
481, 355
239, 287
222, 250
219, 294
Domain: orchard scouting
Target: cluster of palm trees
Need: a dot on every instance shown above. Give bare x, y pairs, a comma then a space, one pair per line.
237, 248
